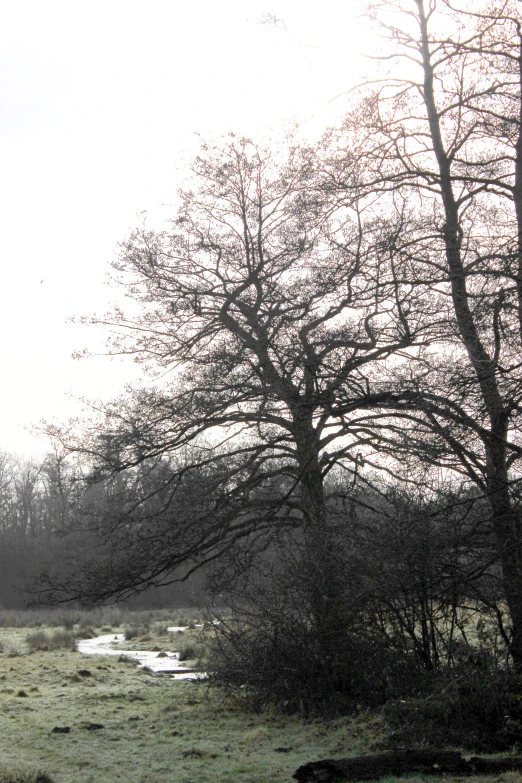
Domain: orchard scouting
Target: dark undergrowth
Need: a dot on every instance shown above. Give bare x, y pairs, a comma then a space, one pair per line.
475, 705
476, 708
285, 667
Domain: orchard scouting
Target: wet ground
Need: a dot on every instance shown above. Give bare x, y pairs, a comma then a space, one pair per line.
159, 662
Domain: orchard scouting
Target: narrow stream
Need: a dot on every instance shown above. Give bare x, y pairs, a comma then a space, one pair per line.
162, 663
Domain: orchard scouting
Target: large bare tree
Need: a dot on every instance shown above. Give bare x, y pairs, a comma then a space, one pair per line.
268, 317
439, 135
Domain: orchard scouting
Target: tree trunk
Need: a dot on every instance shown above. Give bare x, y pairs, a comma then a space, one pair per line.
323, 566
504, 517
427, 762
506, 524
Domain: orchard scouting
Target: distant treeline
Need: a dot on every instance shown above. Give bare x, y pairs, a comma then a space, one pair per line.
44, 508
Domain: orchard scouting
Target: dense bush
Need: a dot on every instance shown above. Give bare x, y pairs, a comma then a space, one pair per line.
477, 707
401, 570
282, 664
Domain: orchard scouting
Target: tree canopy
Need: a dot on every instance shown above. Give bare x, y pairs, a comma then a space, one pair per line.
270, 312
352, 303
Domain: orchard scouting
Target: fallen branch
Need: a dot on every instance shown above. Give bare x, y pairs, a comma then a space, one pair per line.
428, 762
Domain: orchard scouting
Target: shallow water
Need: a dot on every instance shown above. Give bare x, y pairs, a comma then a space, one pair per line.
102, 645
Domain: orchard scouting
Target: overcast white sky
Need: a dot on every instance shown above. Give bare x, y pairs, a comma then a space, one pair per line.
99, 106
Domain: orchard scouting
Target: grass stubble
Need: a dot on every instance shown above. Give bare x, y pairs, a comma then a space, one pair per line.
155, 730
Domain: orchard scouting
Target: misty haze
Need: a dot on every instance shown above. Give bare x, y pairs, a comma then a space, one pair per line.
261, 447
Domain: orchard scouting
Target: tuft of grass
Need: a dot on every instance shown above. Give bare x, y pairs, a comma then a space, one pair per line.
43, 641
38, 641
256, 735
19, 776
86, 631
68, 621
187, 652
10, 620
126, 659
133, 633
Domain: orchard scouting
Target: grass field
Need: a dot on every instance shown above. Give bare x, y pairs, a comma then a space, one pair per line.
150, 728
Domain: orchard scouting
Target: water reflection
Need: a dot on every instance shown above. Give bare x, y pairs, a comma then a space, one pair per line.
166, 663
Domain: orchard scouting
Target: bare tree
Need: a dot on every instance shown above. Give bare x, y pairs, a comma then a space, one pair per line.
440, 136
29, 515
267, 316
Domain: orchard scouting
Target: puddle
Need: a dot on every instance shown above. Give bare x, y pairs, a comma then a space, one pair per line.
170, 664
